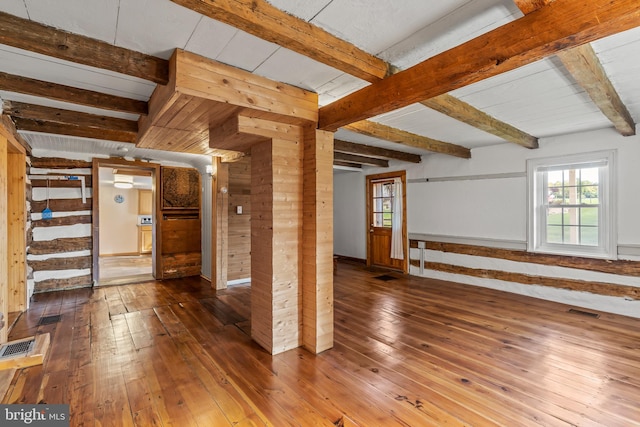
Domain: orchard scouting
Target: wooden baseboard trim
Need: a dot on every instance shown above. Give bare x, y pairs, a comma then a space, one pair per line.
351, 259
12, 319
122, 254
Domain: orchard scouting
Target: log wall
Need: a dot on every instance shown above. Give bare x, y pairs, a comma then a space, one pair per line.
489, 265
59, 249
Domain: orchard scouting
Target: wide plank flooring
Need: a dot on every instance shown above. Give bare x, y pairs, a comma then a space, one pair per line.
408, 352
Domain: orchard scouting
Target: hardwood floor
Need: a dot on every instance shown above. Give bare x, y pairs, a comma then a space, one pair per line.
119, 270
408, 351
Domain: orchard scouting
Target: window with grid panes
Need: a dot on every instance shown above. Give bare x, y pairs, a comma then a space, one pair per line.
571, 200
382, 204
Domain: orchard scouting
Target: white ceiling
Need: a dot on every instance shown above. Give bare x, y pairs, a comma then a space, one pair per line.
541, 98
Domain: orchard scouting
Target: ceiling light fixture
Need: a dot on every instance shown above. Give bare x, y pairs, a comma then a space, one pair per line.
122, 181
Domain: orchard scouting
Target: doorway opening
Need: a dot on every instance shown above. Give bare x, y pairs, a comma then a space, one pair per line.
387, 221
124, 230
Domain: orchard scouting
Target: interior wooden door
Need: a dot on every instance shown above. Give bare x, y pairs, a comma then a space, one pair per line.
380, 202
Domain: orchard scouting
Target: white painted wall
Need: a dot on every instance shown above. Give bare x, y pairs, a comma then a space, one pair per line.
494, 209
118, 229
349, 211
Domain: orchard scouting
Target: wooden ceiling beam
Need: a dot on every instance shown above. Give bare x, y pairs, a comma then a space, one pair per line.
388, 133
347, 164
466, 113
586, 69
557, 26
71, 94
37, 118
368, 150
528, 6
267, 22
42, 126
363, 160
32, 36
38, 112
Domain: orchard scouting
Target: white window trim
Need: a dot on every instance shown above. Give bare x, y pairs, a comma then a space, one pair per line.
608, 201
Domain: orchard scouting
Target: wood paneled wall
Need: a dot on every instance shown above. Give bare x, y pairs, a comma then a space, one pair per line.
239, 265
60, 249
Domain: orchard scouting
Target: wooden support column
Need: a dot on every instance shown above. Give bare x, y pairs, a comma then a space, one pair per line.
4, 249
317, 238
276, 232
16, 222
219, 224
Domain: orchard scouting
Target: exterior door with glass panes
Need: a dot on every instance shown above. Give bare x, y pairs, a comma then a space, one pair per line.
380, 214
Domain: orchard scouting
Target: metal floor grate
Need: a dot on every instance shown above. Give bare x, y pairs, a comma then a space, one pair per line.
584, 313
22, 347
385, 277
48, 320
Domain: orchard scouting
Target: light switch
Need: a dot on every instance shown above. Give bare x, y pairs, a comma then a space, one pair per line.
239, 210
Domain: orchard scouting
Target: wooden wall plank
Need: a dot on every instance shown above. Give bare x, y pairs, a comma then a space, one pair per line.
59, 163
62, 205
69, 283
608, 289
73, 263
623, 267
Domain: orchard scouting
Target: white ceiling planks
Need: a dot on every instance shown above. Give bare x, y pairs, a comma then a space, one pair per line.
93, 18
154, 27
420, 120
540, 98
